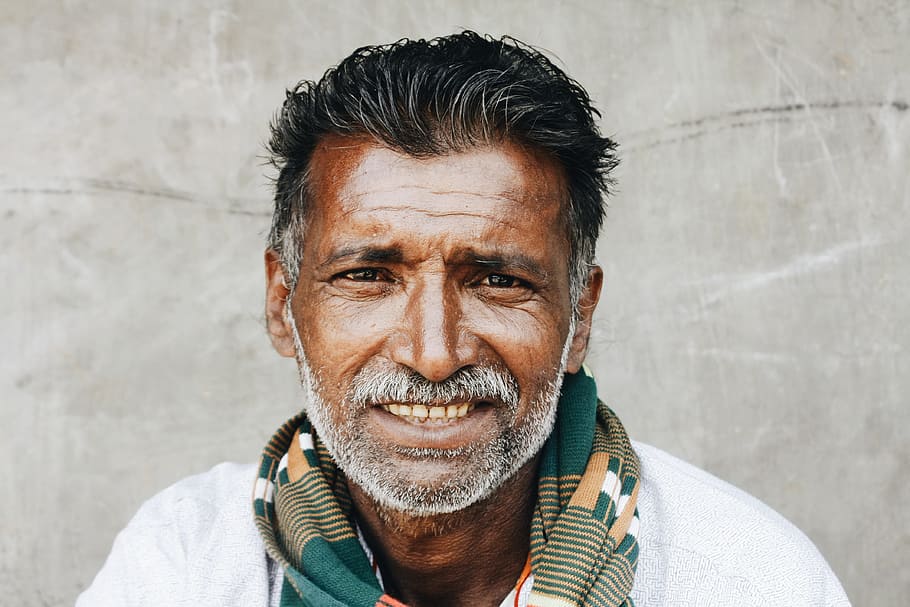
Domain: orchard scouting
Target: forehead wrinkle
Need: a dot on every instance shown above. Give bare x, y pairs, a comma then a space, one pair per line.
510, 196
501, 223
350, 202
531, 178
348, 210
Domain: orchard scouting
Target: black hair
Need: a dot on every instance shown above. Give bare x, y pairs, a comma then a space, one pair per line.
433, 97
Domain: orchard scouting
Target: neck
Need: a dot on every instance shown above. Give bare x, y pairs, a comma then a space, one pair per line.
470, 557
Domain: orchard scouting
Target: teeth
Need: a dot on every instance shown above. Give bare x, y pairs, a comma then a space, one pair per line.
422, 413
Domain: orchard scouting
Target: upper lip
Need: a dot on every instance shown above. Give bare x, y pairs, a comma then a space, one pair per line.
435, 403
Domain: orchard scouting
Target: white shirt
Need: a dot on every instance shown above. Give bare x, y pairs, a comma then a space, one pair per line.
702, 542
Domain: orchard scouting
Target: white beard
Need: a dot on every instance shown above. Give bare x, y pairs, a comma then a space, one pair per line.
477, 470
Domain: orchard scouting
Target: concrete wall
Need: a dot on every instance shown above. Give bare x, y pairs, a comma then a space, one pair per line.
757, 305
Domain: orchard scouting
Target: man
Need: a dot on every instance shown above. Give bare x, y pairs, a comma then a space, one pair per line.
430, 267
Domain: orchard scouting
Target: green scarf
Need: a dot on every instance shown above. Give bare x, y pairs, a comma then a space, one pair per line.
583, 545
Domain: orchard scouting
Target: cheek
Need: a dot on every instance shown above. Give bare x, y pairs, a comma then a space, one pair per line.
339, 336
530, 344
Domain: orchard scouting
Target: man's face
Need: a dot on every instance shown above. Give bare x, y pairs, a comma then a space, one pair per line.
432, 317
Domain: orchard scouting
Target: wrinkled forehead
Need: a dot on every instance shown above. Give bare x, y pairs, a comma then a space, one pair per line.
344, 168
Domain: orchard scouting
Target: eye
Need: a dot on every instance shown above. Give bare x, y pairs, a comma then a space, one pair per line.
504, 289
361, 275
501, 280
363, 283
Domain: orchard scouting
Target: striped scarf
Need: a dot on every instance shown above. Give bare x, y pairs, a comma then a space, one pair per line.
583, 533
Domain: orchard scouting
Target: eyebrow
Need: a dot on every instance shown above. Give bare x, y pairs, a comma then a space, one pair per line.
393, 254
503, 261
365, 254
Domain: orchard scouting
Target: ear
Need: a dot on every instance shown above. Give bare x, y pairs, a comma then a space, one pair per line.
586, 304
276, 296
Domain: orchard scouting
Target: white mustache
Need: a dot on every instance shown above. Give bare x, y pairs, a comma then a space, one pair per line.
373, 387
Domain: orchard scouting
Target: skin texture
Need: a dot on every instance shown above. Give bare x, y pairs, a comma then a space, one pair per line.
435, 265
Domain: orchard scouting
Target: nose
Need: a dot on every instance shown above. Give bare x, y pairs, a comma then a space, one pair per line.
432, 338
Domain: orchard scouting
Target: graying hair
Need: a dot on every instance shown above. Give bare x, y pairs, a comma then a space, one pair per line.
437, 97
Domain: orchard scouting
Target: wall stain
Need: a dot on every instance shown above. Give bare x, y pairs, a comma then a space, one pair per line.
746, 117
91, 185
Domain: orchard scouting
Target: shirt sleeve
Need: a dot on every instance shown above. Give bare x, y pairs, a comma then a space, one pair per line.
193, 544
147, 563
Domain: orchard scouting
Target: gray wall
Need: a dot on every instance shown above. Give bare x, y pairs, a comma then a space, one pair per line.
755, 318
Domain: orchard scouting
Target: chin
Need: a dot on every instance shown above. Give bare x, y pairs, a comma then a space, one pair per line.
422, 485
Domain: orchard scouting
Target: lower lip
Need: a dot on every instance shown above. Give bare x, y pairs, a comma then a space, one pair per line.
430, 434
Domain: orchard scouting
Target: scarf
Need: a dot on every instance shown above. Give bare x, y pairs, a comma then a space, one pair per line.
583, 532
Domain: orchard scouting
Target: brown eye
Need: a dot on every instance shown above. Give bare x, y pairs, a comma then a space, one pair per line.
362, 275
500, 280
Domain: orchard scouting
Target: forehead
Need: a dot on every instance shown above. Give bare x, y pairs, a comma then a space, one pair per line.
357, 174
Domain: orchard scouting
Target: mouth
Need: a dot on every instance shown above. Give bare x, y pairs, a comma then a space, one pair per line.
433, 425
429, 414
